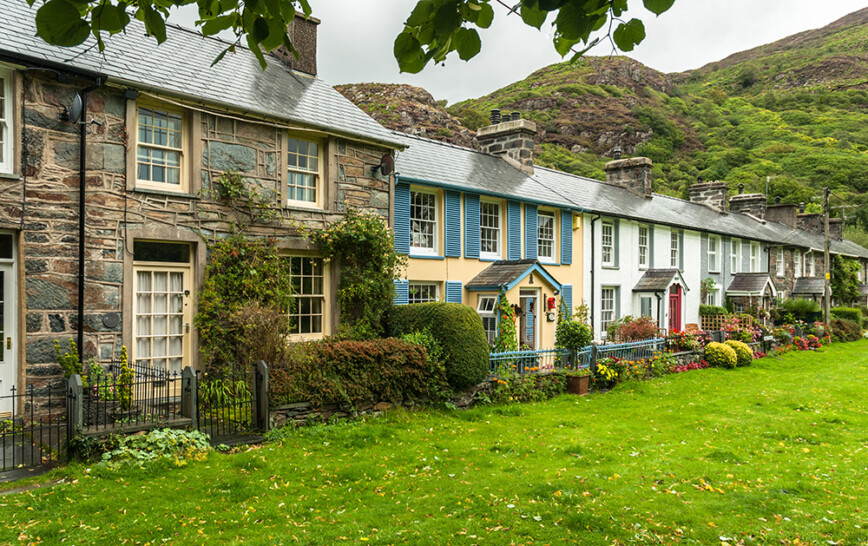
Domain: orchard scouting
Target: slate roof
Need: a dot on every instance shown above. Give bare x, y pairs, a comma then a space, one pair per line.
656, 280
809, 285
181, 67
437, 163
503, 273
749, 283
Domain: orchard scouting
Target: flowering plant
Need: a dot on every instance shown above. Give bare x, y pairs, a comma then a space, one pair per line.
696, 365
609, 372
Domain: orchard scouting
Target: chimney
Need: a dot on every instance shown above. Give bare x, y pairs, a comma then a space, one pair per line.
633, 174
711, 194
511, 139
302, 34
785, 214
749, 203
836, 229
812, 223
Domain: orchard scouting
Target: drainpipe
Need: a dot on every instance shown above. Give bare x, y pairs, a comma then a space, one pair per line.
82, 174
593, 270
659, 296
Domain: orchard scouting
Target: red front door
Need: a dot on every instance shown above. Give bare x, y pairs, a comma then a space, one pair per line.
675, 308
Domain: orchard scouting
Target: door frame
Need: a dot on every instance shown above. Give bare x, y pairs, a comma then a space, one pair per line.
676, 293
532, 294
187, 325
11, 295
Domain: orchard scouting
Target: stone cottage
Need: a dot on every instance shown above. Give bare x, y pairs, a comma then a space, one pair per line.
118, 259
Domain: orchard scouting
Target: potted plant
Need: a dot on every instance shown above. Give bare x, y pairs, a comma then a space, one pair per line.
578, 381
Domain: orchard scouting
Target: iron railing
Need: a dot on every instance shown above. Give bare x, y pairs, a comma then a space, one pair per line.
635, 350
523, 362
33, 427
226, 404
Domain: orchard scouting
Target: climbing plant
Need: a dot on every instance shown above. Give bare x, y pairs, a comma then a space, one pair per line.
507, 338
363, 246
245, 203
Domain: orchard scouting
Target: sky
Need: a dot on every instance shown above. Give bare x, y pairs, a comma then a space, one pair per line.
355, 40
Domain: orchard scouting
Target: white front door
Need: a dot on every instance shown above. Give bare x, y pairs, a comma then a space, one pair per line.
8, 326
162, 317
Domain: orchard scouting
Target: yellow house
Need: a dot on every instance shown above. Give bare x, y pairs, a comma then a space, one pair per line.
474, 224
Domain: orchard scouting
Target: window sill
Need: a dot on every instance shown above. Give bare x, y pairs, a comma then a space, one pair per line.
612, 267
427, 257
9, 176
152, 191
302, 206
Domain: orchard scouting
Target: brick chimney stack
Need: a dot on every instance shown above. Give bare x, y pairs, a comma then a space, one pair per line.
711, 194
749, 203
632, 174
510, 139
302, 33
785, 214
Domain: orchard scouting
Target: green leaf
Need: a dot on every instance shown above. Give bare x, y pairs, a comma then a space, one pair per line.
58, 22
421, 14
533, 16
628, 34
447, 19
218, 24
260, 30
276, 33
485, 16
155, 25
408, 52
254, 47
658, 6
467, 43
110, 18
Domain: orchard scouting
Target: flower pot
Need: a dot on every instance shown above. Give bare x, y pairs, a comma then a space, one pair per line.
578, 384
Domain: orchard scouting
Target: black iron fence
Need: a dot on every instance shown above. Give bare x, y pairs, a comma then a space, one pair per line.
33, 426
228, 404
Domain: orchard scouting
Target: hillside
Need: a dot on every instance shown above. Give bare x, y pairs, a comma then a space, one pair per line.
791, 115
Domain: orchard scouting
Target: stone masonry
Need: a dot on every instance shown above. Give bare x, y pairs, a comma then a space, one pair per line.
43, 208
749, 203
711, 194
632, 174
512, 139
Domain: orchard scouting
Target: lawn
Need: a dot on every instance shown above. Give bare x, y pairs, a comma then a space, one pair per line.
772, 454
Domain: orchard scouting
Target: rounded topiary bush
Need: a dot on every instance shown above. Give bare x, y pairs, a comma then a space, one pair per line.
743, 353
457, 329
719, 355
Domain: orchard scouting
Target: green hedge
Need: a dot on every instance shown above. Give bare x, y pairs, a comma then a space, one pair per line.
719, 355
350, 372
845, 330
708, 310
458, 330
743, 353
853, 314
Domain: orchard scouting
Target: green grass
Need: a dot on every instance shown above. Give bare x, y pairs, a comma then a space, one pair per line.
766, 455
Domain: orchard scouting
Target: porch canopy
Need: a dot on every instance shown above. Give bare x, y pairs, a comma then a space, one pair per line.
506, 274
809, 286
659, 280
755, 285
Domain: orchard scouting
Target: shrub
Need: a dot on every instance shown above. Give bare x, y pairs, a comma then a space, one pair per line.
743, 353
636, 329
845, 330
170, 444
125, 381
507, 339
848, 313
708, 310
800, 308
349, 372
719, 355
69, 361
458, 330
572, 334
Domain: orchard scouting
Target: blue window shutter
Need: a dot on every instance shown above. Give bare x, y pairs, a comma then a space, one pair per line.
453, 223
530, 232
650, 247
566, 237
681, 250
402, 219
402, 292
471, 225
616, 241
513, 226
567, 296
453, 291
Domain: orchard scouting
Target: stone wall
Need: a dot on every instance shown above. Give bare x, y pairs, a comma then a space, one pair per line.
632, 174
43, 206
749, 203
710, 194
786, 283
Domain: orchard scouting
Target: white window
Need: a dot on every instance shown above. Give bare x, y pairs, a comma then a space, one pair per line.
812, 264
6, 129
734, 255
780, 260
303, 166
797, 263
423, 292
712, 296
645, 306
308, 285
608, 243
713, 253
489, 230
161, 305
423, 223
487, 309
607, 307
674, 250
160, 148
546, 236
754, 257
643, 246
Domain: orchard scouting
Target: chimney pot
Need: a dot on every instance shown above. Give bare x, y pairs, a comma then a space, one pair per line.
699, 180
616, 153
777, 200
495, 116
516, 116
802, 207
740, 189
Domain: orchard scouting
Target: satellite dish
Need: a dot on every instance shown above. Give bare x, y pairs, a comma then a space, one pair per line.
387, 165
75, 109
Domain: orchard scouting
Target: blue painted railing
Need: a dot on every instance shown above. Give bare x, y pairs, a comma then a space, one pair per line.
635, 350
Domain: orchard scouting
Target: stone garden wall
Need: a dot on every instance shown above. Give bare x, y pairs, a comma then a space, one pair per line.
43, 207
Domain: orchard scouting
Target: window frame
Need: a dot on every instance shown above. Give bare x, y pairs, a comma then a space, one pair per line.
184, 185
319, 174
715, 254
674, 249
811, 263
780, 268
604, 321
434, 249
711, 296
297, 295
498, 230
755, 257
426, 284
734, 255
642, 300
539, 239
797, 264
643, 256
610, 247
491, 314
7, 121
